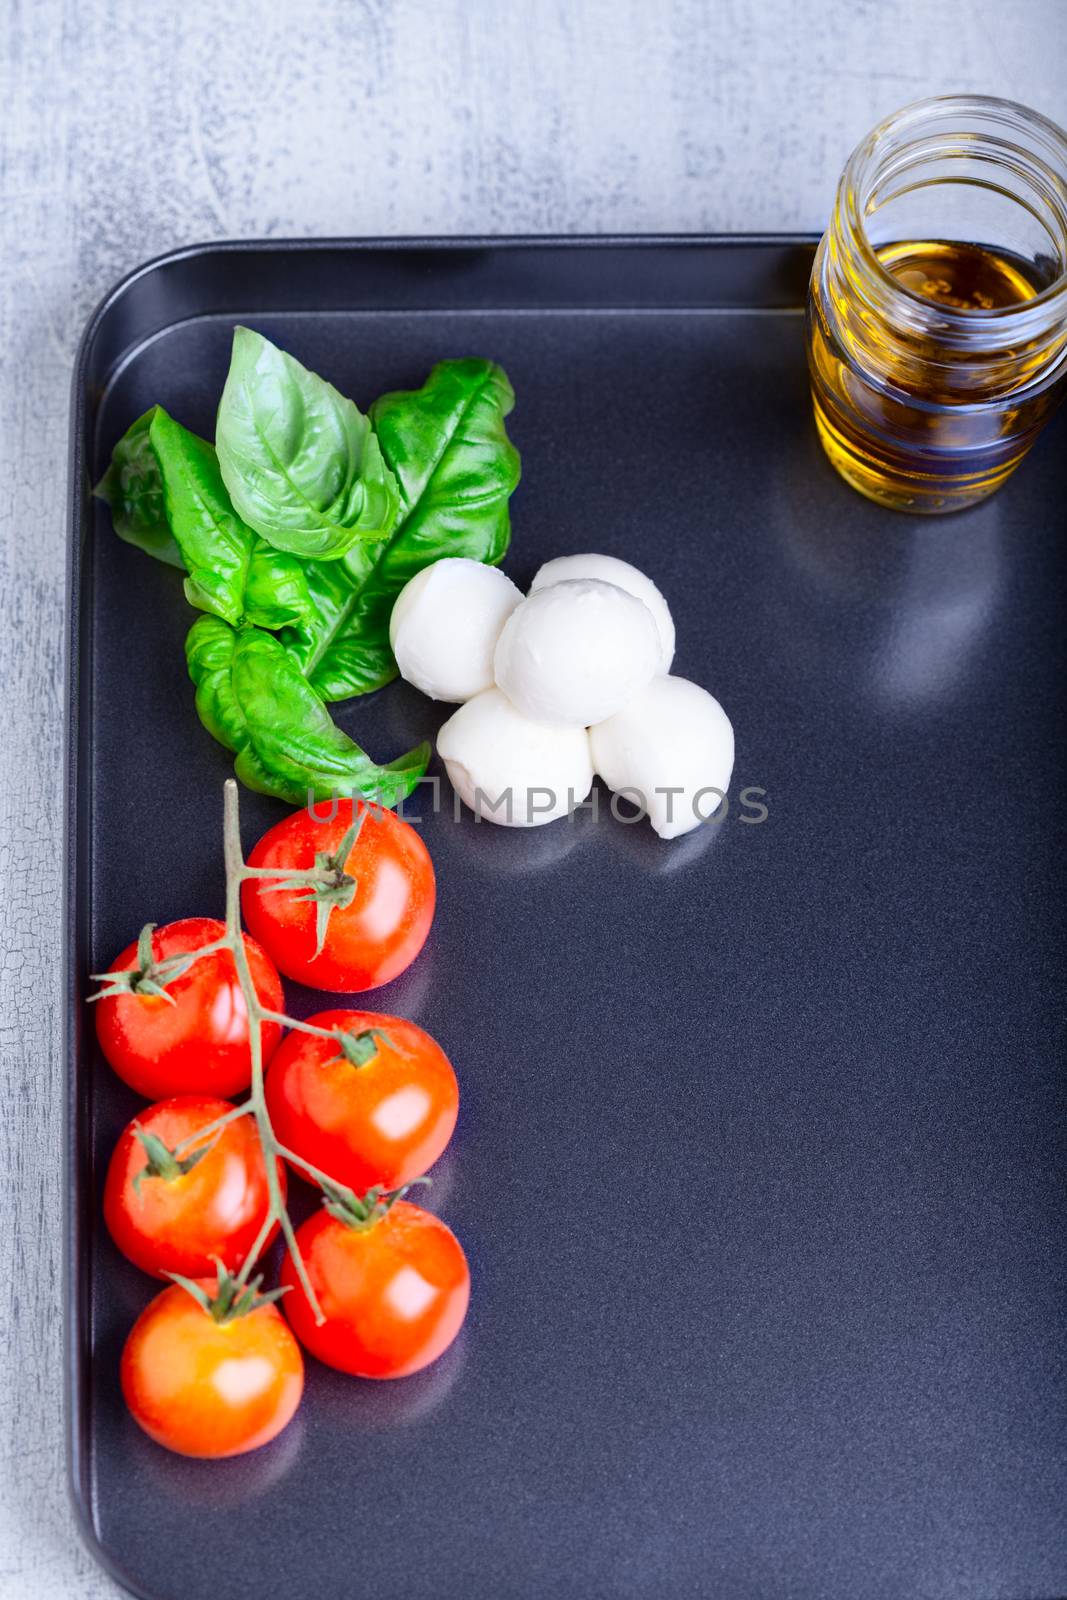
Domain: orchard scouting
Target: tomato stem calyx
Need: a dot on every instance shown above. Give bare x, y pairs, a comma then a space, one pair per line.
149, 977
360, 1048
327, 883
162, 1161
361, 1212
233, 1297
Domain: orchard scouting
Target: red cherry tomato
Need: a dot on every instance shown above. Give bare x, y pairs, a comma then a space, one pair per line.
394, 1293
382, 1122
369, 940
207, 1388
170, 1220
197, 1041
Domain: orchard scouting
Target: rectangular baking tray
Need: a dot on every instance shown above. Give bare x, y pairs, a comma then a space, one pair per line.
760, 1158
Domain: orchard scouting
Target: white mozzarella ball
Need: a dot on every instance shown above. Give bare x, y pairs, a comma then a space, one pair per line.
673, 736
575, 653
510, 770
611, 570
445, 625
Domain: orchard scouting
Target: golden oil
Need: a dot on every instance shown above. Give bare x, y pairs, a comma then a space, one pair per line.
965, 276
935, 362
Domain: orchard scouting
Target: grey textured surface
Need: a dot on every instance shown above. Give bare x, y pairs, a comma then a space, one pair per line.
127, 130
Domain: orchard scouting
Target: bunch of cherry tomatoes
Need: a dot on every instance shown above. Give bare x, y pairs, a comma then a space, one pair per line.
213, 1367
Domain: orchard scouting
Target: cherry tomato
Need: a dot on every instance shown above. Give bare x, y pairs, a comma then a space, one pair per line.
207, 1388
382, 927
197, 1041
394, 1293
383, 1121
166, 1219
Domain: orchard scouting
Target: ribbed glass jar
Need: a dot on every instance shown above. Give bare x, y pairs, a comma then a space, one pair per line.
937, 315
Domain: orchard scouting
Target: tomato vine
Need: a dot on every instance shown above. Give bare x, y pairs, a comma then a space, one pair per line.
329, 885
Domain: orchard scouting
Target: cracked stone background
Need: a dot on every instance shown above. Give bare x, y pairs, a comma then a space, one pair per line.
127, 129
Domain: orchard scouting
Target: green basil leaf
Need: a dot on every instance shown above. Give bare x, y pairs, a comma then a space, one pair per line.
301, 463
332, 646
233, 573
276, 587
453, 460
456, 467
133, 488
251, 696
209, 651
215, 544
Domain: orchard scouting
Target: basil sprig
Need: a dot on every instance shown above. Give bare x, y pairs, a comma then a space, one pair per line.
297, 534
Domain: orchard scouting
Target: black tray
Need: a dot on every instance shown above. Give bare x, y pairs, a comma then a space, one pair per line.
760, 1158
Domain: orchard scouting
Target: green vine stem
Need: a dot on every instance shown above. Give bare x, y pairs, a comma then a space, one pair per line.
211, 1128
327, 875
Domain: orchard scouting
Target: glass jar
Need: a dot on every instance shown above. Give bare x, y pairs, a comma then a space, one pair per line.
937, 314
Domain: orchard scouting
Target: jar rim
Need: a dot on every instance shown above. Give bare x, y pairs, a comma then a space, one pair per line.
955, 109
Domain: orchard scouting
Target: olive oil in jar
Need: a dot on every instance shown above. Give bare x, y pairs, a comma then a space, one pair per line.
964, 276
935, 362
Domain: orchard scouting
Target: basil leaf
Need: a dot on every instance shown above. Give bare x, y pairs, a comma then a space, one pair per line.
332, 646
215, 544
301, 463
233, 573
453, 460
456, 468
276, 587
133, 488
209, 651
253, 699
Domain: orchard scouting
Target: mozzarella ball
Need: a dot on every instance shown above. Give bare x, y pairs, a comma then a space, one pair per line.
510, 770
445, 625
673, 736
575, 653
611, 570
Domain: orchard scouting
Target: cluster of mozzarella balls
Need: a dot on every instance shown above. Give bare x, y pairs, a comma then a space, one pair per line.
572, 680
